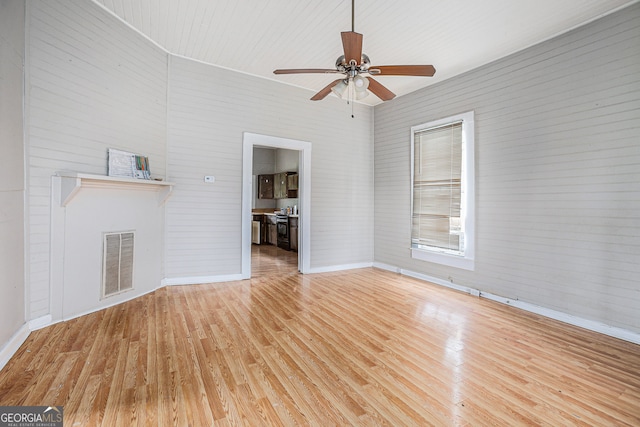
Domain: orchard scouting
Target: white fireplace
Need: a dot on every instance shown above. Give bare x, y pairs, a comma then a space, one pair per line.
85, 210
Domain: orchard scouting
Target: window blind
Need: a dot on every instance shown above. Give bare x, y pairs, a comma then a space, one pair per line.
437, 191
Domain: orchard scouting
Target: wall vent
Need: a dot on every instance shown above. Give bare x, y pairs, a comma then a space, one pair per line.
117, 263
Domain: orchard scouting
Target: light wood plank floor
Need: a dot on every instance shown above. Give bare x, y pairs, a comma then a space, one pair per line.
270, 260
363, 347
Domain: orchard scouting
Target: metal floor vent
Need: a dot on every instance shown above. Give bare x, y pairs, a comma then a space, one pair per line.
117, 263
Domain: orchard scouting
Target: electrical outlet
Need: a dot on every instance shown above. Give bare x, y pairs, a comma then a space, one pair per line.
209, 178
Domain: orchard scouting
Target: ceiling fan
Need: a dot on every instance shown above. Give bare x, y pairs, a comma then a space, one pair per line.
353, 64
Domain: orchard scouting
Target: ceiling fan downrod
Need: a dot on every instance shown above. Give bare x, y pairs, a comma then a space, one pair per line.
353, 15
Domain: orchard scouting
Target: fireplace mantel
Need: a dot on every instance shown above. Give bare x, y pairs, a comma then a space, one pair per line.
73, 182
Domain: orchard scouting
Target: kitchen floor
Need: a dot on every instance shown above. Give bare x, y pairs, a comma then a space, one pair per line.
270, 260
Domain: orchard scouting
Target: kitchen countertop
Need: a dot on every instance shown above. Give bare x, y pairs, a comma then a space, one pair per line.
272, 213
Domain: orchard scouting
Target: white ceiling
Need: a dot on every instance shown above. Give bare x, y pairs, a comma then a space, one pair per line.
258, 36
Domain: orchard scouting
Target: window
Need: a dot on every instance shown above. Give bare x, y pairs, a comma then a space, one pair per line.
442, 214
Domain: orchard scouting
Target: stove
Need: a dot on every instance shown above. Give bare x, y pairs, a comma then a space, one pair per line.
282, 226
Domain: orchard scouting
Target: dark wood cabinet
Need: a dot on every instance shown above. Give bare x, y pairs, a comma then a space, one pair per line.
272, 234
292, 185
257, 229
265, 186
280, 186
271, 230
285, 185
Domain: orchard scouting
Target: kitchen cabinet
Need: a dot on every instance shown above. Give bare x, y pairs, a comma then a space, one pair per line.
285, 185
272, 230
259, 230
256, 229
265, 186
292, 185
280, 186
293, 233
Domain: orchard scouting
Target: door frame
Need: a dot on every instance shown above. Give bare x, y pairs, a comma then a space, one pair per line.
249, 141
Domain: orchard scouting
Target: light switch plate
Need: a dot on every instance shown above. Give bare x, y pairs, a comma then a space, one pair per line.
209, 178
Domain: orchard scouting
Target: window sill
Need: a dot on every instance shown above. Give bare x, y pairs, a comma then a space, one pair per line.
443, 259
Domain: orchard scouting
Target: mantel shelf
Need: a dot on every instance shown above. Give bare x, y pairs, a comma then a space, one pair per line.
73, 182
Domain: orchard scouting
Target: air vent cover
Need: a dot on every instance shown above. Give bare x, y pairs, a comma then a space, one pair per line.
117, 263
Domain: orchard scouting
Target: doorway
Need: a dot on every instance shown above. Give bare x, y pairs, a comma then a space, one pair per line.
251, 140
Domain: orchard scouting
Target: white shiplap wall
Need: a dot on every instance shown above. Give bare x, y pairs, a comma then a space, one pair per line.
557, 169
209, 109
12, 307
93, 84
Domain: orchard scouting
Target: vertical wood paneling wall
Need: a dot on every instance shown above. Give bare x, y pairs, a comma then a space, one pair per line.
93, 84
12, 286
557, 172
209, 109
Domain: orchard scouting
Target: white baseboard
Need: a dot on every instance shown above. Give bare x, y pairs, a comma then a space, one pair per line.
197, 280
21, 336
106, 306
14, 343
591, 325
332, 268
40, 322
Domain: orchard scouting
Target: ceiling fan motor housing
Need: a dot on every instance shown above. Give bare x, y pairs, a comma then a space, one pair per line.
353, 69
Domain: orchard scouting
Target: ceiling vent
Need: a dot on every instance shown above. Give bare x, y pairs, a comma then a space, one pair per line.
117, 263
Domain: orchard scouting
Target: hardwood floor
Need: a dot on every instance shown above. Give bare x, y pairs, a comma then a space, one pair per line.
362, 347
270, 260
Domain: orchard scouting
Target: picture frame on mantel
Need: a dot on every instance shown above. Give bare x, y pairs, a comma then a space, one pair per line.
128, 165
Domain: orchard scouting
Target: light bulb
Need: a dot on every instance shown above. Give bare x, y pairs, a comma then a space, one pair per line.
360, 83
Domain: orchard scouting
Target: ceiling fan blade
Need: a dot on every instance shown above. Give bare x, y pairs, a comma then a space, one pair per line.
380, 91
305, 70
403, 70
352, 44
325, 91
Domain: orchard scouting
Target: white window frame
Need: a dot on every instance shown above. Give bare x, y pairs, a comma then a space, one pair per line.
465, 261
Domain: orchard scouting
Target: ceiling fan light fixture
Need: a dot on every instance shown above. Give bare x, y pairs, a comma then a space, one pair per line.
361, 94
339, 89
360, 83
